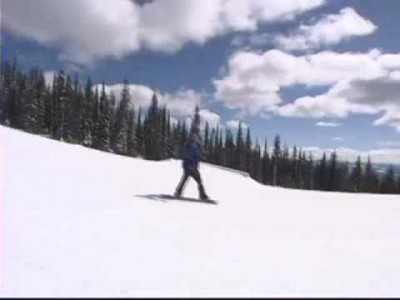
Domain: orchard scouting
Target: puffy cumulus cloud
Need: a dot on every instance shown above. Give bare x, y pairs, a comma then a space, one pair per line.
89, 30
359, 83
83, 30
358, 96
140, 94
234, 124
330, 30
180, 103
382, 91
207, 116
324, 106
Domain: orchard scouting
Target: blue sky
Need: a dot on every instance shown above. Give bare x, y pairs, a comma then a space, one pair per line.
264, 64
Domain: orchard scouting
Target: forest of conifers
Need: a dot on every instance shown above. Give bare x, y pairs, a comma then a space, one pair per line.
83, 113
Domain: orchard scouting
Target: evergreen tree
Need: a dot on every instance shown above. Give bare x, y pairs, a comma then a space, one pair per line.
206, 142
139, 134
239, 150
76, 112
356, 176
131, 137
103, 127
370, 182
87, 125
333, 173
152, 131
388, 185
248, 152
29, 105
196, 119
59, 105
120, 140
265, 165
68, 112
229, 149
276, 157
322, 174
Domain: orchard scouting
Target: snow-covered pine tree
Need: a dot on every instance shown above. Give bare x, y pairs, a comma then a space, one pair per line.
322, 174
229, 149
131, 134
76, 111
239, 149
87, 125
10, 92
276, 158
152, 131
388, 185
69, 113
265, 170
333, 176
356, 176
169, 146
121, 121
103, 128
58, 107
247, 152
139, 134
370, 182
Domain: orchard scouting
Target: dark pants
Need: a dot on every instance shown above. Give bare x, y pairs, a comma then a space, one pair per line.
195, 174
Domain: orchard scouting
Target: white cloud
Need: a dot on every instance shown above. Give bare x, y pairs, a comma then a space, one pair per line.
49, 77
235, 124
361, 96
207, 116
90, 30
140, 94
337, 139
84, 30
173, 121
324, 106
327, 124
391, 118
390, 143
330, 30
181, 103
388, 156
360, 83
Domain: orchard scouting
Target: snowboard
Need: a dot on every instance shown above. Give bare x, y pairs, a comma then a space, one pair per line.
172, 197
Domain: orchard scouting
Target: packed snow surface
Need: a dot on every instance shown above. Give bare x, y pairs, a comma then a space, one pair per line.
80, 222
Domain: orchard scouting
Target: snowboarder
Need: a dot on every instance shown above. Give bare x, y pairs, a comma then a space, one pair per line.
191, 158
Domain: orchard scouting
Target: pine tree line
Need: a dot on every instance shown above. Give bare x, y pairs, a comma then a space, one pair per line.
90, 116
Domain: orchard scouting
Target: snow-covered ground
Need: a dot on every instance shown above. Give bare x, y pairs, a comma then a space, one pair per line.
80, 222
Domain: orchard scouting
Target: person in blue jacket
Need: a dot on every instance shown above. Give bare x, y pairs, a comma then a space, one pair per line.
190, 163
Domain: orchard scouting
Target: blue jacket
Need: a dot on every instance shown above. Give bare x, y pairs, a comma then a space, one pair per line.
192, 153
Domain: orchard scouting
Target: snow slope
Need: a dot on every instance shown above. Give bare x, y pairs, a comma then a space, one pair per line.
80, 222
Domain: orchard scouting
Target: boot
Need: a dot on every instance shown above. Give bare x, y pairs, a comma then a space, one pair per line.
177, 194
204, 197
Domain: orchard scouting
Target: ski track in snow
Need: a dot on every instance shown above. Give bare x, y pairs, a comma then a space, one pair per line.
75, 223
